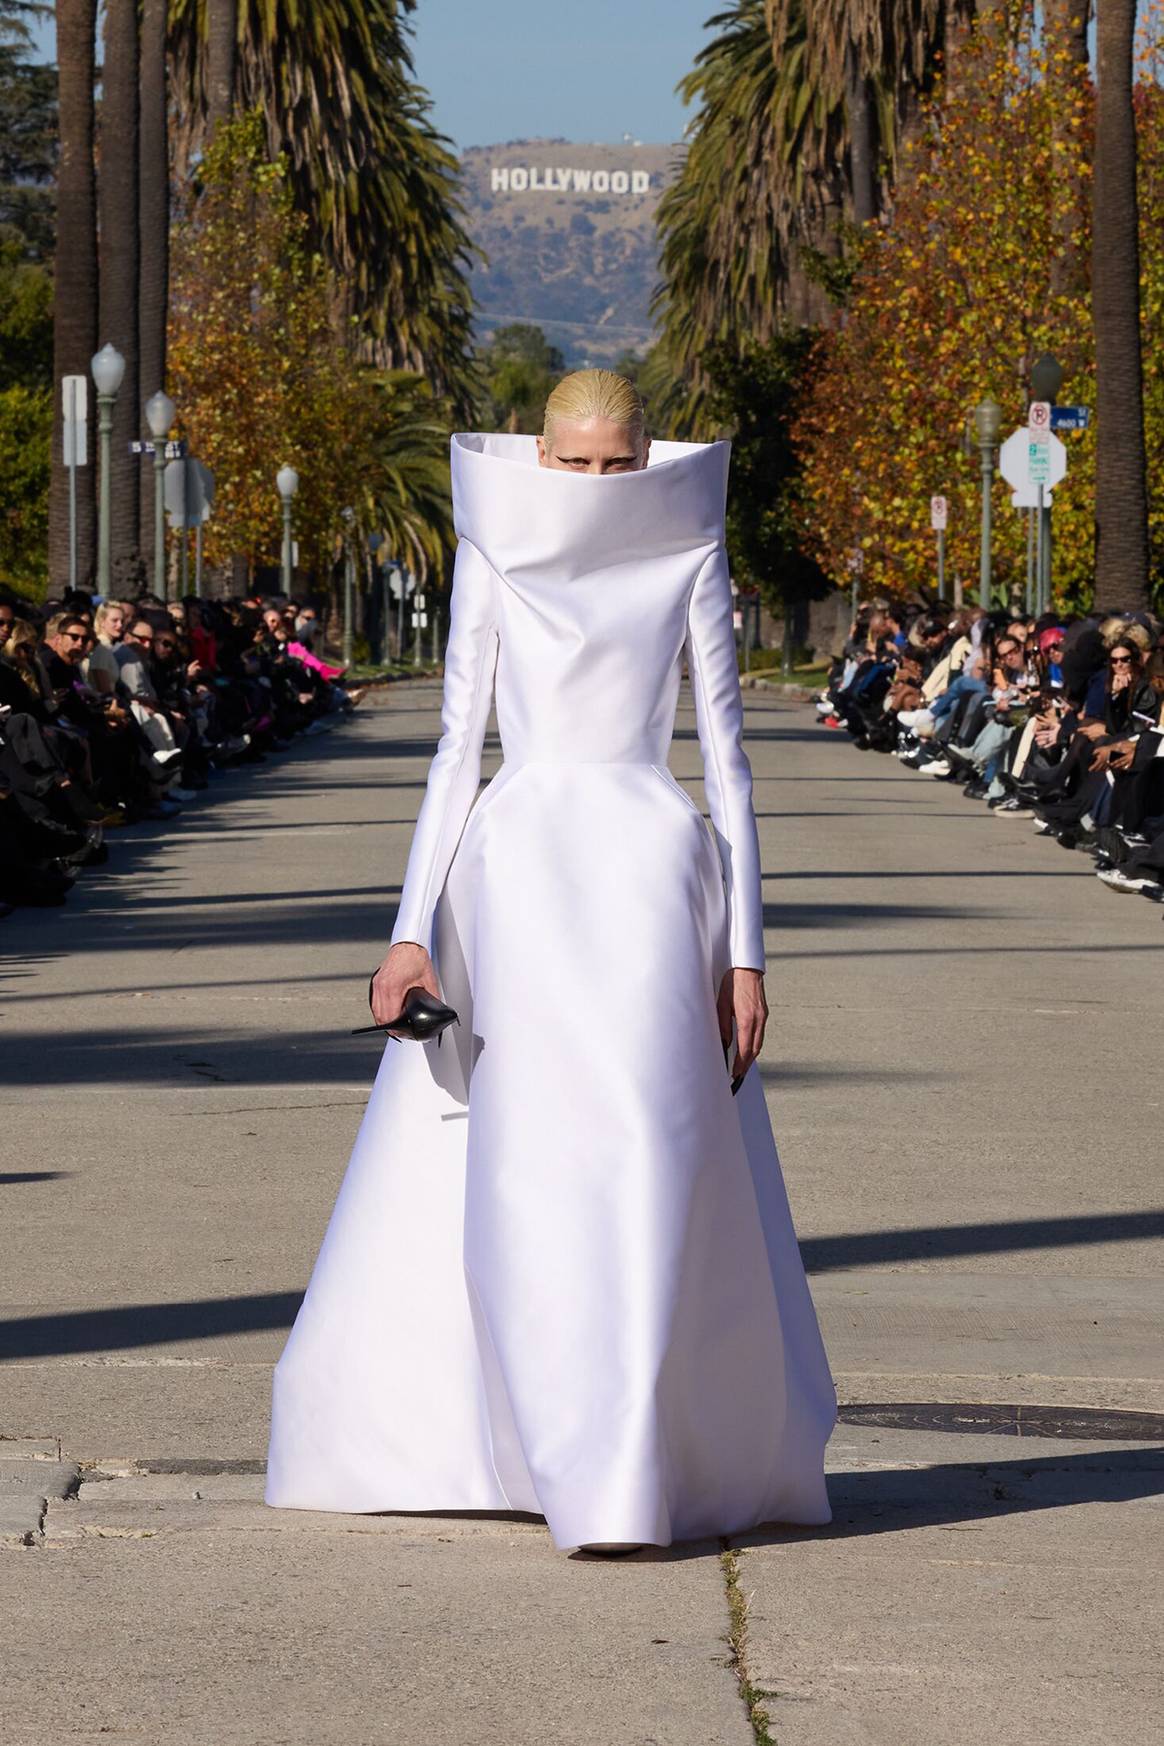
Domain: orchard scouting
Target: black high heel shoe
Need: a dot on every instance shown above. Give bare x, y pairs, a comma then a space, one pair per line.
421, 1018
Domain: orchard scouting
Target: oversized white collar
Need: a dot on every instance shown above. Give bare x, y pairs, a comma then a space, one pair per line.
521, 516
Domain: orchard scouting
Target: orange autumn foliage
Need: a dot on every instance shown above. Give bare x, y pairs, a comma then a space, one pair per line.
953, 299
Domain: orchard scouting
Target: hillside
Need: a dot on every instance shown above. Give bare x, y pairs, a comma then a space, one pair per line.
569, 232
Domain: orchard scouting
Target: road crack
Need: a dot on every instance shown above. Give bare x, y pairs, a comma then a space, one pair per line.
737, 1641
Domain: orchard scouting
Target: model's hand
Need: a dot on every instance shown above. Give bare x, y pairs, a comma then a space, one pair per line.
407, 966
741, 996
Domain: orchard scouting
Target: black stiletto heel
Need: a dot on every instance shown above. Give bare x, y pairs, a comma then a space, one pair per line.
422, 1017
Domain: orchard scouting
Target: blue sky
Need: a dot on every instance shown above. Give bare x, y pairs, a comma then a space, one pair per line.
522, 69
593, 70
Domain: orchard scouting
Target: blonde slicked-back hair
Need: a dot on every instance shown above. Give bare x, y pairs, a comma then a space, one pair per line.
596, 394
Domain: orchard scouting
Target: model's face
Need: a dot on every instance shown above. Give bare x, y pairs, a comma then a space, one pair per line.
593, 445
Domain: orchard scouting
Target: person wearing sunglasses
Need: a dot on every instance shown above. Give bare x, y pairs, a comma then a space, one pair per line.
562, 1254
67, 642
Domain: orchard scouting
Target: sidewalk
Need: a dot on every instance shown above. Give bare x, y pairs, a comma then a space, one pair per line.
181, 1097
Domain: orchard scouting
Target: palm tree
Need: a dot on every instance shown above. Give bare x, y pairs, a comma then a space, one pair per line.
118, 207
334, 84
75, 274
154, 232
871, 56
221, 60
409, 474
762, 180
1121, 508
800, 103
1065, 25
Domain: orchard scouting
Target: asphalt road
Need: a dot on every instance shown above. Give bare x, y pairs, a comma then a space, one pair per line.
963, 1068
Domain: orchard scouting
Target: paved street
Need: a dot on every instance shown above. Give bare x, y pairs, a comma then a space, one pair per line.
964, 1072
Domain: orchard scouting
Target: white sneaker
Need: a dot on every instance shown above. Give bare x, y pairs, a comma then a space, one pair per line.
1116, 880
938, 767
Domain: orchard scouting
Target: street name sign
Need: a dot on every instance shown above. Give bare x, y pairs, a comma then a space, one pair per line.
174, 451
1070, 417
939, 514
1014, 462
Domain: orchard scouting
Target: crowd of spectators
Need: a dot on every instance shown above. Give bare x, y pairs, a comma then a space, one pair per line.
113, 711
1056, 722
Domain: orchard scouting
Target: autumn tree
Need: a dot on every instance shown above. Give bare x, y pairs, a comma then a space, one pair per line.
262, 377
956, 300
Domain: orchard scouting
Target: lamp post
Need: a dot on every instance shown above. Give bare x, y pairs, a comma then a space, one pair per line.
160, 414
348, 517
988, 424
287, 479
108, 368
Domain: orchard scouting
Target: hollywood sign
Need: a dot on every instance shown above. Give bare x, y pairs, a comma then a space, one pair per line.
519, 180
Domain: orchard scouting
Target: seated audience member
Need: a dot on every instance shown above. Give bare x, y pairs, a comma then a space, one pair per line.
115, 712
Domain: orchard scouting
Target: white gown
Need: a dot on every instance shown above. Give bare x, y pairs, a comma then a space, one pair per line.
561, 1274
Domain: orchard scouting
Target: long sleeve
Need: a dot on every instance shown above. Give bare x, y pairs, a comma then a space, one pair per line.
719, 716
455, 773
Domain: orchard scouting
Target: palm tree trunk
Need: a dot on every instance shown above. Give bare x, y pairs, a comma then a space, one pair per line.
117, 189
1121, 507
862, 144
1065, 26
154, 238
221, 59
75, 277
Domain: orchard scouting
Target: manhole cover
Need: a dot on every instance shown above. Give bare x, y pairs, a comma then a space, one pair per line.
1099, 1424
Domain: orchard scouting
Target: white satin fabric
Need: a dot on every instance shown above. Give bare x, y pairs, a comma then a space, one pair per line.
561, 1275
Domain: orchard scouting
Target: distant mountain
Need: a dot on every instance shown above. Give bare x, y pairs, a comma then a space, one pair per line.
569, 232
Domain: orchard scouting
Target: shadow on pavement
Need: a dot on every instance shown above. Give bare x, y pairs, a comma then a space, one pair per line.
889, 1500
158, 1324
924, 1242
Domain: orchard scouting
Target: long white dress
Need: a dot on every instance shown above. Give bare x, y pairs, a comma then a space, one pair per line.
561, 1274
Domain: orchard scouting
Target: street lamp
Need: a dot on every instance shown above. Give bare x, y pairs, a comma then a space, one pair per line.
988, 424
160, 414
348, 516
1046, 378
108, 368
287, 479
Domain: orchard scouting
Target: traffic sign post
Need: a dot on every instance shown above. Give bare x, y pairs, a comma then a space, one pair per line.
1033, 461
939, 518
1014, 463
1039, 475
75, 435
188, 489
